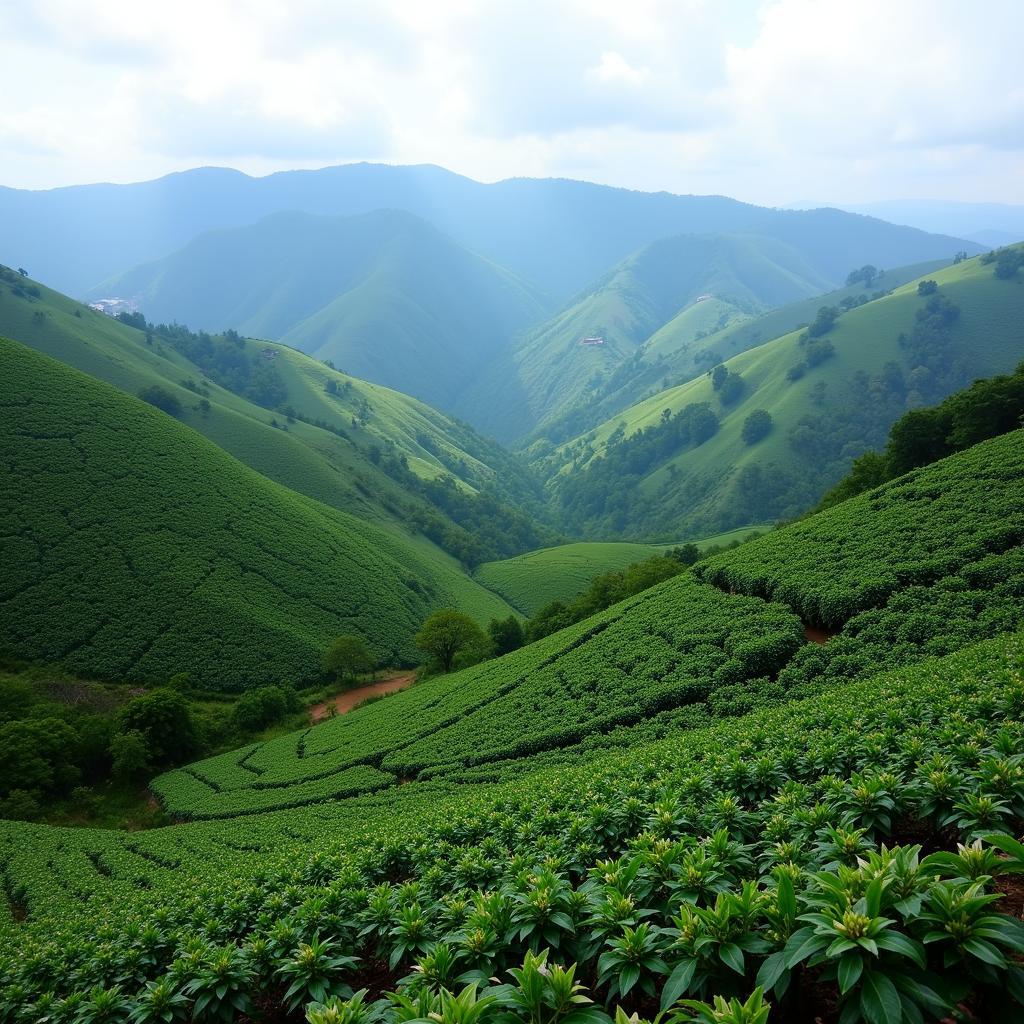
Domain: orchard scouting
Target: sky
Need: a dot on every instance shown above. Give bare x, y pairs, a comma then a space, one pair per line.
770, 101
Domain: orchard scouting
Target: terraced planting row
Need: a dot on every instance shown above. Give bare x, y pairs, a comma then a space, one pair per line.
780, 852
669, 647
912, 531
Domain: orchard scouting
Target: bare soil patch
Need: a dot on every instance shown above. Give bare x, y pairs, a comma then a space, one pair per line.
346, 701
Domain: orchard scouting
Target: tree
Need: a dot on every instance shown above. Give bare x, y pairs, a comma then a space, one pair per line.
161, 398
506, 635
346, 656
756, 426
129, 755
165, 721
23, 271
260, 708
448, 633
927, 287
38, 755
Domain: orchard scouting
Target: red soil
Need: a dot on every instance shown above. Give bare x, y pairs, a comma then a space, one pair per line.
346, 701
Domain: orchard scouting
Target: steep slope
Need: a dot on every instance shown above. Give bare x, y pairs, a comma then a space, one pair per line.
552, 367
693, 472
135, 548
383, 295
559, 234
705, 333
343, 441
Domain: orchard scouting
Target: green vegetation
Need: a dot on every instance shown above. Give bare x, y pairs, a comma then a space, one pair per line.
531, 581
448, 634
347, 657
701, 336
678, 795
549, 371
358, 447
648, 473
138, 550
986, 409
708, 865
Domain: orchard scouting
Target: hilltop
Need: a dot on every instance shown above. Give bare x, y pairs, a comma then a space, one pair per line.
828, 397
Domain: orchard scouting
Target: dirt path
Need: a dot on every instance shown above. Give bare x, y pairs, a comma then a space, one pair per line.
346, 701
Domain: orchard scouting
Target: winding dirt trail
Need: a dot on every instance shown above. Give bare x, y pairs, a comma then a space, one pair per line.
346, 701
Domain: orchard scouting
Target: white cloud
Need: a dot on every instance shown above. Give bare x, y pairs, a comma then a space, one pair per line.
769, 101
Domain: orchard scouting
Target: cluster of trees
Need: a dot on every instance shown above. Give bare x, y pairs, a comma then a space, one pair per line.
986, 409
162, 399
70, 738
1008, 261
607, 486
225, 358
866, 275
816, 347
728, 384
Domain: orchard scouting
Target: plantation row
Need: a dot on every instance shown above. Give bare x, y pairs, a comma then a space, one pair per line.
781, 851
135, 549
913, 531
667, 648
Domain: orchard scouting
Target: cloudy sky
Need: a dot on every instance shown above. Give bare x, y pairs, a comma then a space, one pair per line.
772, 101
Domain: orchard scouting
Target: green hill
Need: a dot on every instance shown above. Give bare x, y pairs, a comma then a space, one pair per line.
530, 581
359, 447
384, 295
692, 471
137, 549
703, 334
550, 369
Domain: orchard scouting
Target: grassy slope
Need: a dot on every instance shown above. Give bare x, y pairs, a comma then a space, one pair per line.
305, 458
530, 581
675, 354
140, 549
385, 295
548, 371
704, 494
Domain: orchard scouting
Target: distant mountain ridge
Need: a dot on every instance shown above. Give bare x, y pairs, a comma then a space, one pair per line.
557, 233
383, 295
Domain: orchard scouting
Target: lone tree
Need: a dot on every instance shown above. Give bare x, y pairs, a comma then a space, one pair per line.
447, 633
347, 656
756, 426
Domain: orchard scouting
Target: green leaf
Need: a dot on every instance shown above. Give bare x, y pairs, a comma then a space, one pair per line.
732, 956
849, 972
897, 942
678, 982
985, 951
771, 970
879, 999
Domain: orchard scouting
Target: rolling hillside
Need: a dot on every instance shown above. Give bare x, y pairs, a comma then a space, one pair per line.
693, 472
685, 740
551, 368
348, 443
556, 233
136, 549
384, 296
703, 334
